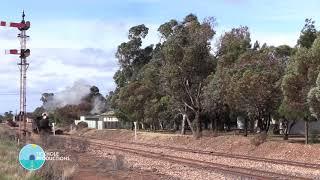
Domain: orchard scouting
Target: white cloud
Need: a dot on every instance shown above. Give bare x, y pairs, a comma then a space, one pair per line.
54, 69
63, 52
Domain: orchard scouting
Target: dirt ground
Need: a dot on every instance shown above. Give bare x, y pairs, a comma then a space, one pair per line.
102, 169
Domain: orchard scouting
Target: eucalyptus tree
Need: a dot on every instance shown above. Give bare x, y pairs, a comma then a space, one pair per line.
299, 84
186, 62
130, 95
255, 86
308, 34
230, 47
131, 56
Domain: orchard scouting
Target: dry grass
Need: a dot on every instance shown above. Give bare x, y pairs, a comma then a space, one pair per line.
68, 172
115, 162
54, 170
118, 163
10, 168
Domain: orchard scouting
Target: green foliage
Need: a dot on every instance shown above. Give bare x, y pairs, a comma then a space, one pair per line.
166, 29
308, 34
231, 46
255, 83
187, 62
131, 56
299, 83
246, 80
6, 116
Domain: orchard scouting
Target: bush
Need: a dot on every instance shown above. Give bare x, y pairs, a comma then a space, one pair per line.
82, 125
12, 123
259, 139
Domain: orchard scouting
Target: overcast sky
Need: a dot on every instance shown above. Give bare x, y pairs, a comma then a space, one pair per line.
76, 39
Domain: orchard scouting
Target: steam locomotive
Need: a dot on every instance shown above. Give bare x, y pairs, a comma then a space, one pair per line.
41, 124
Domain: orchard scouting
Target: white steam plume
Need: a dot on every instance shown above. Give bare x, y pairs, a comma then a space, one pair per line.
70, 96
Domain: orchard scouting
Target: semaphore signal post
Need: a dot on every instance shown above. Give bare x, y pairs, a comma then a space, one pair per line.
23, 65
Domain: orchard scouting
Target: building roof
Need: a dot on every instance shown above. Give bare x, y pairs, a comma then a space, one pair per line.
108, 113
105, 114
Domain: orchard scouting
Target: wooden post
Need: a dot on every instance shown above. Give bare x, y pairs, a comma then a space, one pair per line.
135, 130
54, 131
306, 123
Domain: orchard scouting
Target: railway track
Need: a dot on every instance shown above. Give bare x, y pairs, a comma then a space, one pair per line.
226, 155
199, 164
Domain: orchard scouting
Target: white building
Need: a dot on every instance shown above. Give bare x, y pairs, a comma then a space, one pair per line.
105, 120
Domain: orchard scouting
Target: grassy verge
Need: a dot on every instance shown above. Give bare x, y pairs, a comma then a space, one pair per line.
10, 168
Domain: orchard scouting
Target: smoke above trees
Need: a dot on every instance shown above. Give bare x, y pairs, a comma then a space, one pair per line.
73, 95
81, 96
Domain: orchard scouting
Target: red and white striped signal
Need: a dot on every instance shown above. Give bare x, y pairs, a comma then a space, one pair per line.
15, 25
23, 53
13, 51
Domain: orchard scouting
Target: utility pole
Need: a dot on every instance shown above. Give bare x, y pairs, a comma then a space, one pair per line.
23, 65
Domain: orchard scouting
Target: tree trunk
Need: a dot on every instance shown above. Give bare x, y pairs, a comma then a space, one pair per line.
190, 124
268, 122
161, 125
206, 125
286, 129
260, 124
184, 117
306, 132
252, 124
215, 126
197, 125
176, 126
246, 127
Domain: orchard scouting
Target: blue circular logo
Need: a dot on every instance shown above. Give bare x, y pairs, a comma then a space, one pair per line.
32, 157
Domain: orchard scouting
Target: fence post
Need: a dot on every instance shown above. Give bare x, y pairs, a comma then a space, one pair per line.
54, 131
135, 131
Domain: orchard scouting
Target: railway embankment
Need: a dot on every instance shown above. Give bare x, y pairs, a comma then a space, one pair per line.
187, 158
